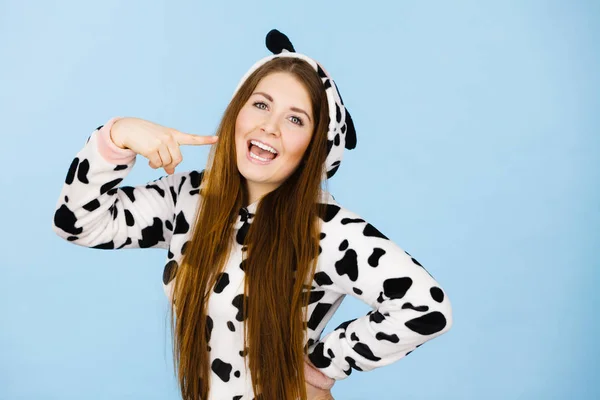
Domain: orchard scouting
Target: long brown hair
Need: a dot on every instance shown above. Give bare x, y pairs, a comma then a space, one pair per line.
282, 247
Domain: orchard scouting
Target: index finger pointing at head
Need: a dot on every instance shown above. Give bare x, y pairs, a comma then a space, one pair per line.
194, 140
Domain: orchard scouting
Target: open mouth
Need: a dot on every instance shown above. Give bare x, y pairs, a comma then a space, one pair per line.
260, 153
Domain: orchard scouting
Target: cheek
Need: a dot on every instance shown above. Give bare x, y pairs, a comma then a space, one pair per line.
297, 145
242, 123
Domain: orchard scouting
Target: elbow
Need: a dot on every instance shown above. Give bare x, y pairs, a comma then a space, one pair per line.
63, 223
434, 323
58, 230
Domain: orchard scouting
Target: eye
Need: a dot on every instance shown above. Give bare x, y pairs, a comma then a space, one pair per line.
260, 105
297, 121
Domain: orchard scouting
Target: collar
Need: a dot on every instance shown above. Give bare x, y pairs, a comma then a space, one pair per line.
246, 214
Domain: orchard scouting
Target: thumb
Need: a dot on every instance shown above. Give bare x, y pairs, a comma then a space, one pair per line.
194, 140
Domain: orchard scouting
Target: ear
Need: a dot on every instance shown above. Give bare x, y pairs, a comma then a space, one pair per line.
277, 42
350, 132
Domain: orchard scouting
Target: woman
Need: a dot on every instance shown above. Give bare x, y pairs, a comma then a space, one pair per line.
259, 256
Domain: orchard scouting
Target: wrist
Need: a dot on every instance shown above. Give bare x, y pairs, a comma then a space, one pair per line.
113, 133
315, 377
109, 150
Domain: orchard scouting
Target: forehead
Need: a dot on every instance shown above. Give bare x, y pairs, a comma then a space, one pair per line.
284, 87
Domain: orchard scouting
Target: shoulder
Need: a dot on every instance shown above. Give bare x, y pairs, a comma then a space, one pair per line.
338, 218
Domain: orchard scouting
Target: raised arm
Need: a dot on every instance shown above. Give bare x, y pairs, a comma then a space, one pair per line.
94, 211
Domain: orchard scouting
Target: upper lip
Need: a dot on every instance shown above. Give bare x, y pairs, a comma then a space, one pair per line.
263, 142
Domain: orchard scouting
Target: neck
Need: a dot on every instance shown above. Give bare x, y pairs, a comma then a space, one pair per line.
257, 191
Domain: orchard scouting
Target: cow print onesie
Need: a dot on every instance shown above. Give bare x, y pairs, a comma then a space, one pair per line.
408, 305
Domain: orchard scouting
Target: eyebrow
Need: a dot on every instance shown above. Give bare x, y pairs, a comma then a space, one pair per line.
296, 109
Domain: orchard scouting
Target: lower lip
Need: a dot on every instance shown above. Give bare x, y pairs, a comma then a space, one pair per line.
255, 161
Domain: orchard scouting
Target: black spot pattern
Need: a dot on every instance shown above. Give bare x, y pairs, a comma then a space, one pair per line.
371, 231
390, 338
318, 358
222, 369
417, 308
72, 170
181, 224
330, 212
196, 178
184, 247
375, 256
238, 302
128, 190
109, 185
170, 271
173, 194
92, 205
158, 189
65, 220
222, 282
183, 179
376, 317
396, 288
364, 350
322, 279
245, 218
346, 221
437, 294
427, 324
127, 243
82, 171
348, 265
344, 325
315, 296
352, 363
105, 246
129, 218
209, 328
318, 315
152, 234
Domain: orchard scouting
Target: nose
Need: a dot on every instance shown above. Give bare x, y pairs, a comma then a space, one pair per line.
270, 125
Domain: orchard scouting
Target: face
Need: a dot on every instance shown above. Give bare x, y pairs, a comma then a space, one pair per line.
278, 119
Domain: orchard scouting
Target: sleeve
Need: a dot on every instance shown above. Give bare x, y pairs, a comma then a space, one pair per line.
408, 306
93, 211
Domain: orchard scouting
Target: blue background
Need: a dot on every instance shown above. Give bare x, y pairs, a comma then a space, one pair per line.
477, 153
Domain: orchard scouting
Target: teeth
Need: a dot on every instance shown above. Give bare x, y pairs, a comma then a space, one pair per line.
258, 157
263, 146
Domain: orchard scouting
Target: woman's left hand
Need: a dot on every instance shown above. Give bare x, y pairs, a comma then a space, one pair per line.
314, 393
314, 377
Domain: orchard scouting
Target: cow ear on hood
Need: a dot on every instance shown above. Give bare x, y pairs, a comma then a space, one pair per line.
277, 42
350, 132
